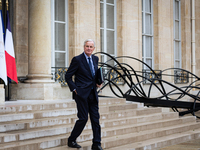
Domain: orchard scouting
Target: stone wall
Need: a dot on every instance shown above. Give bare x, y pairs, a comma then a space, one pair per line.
2, 94
197, 32
84, 23
20, 36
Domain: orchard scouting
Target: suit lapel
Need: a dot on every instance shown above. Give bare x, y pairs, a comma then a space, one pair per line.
94, 63
84, 61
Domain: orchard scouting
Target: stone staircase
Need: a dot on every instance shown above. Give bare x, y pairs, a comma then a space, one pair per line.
125, 126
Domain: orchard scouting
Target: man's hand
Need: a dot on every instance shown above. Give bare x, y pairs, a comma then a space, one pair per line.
75, 92
98, 85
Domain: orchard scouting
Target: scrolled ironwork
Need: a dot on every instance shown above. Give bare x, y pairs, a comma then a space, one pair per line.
59, 74
181, 77
148, 74
169, 95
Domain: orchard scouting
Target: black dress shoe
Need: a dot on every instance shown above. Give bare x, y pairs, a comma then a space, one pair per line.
96, 147
73, 144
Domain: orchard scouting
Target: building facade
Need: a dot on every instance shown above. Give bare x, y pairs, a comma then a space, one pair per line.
48, 33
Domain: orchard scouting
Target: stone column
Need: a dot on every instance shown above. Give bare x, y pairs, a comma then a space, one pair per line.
130, 31
39, 35
163, 42
39, 85
2, 94
83, 24
186, 34
20, 36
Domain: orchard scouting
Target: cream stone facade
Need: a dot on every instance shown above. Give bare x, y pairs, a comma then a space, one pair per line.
2, 94
32, 34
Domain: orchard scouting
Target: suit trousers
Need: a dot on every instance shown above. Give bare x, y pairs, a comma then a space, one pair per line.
84, 107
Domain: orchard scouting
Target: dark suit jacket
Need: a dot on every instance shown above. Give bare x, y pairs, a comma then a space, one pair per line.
83, 82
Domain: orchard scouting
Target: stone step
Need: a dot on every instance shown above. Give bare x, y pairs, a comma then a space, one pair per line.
122, 107
109, 142
150, 125
160, 128
65, 129
36, 123
37, 115
55, 113
151, 144
103, 115
15, 117
139, 119
17, 123
116, 107
73, 111
45, 122
51, 105
31, 107
110, 101
36, 144
157, 143
141, 137
129, 113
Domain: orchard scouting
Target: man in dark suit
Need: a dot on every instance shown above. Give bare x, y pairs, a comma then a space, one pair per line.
84, 68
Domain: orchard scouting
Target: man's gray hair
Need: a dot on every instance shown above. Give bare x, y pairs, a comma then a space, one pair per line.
89, 40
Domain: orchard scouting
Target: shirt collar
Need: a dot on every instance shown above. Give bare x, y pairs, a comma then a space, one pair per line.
86, 56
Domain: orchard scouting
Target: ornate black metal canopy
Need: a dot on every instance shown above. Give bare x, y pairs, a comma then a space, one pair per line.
141, 85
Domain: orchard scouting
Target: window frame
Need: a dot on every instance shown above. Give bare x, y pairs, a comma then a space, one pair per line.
179, 30
105, 29
144, 34
53, 21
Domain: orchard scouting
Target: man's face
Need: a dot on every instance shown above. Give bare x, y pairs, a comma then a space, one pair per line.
89, 48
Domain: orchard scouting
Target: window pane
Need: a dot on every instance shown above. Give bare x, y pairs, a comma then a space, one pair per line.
142, 5
110, 42
149, 62
176, 10
101, 17
102, 58
60, 59
110, 17
177, 51
148, 45
177, 64
143, 53
176, 30
59, 36
60, 10
148, 5
102, 40
110, 1
142, 23
110, 62
148, 23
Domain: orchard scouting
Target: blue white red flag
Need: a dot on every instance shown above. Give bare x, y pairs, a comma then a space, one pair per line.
3, 73
10, 54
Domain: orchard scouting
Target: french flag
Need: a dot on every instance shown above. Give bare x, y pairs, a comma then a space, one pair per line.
10, 54
3, 73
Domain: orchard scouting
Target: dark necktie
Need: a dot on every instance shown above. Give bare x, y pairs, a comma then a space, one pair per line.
90, 65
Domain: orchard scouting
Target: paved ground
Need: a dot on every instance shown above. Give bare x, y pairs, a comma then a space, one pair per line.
191, 145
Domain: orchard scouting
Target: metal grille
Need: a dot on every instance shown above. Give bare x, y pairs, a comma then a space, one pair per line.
181, 77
